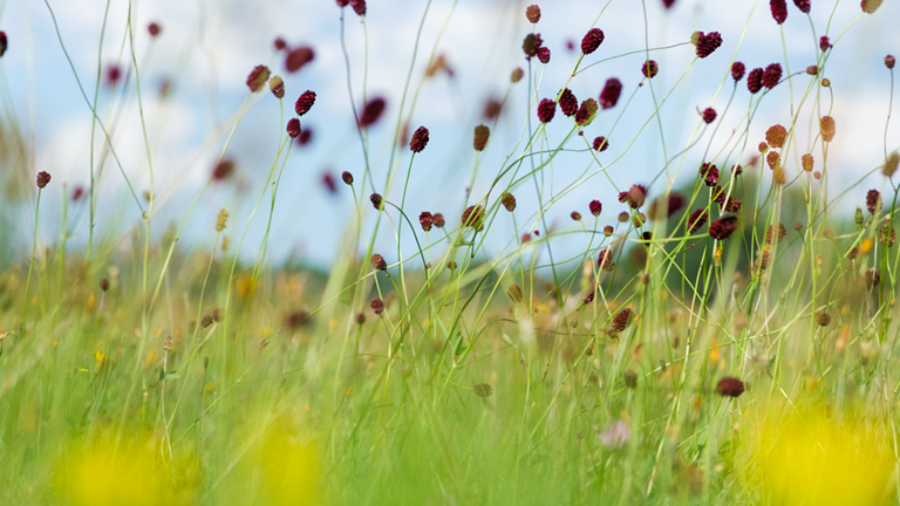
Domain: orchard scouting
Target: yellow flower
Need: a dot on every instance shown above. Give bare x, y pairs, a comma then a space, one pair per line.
103, 475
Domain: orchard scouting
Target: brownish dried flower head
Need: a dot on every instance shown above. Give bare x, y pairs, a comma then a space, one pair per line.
890, 61
482, 135
775, 233
621, 319
533, 13
776, 135
221, 220
104, 284
43, 179
890, 165
808, 162
823, 319
870, 6
257, 78
378, 262
473, 217
826, 125
730, 387
517, 75
377, 305
276, 86
508, 201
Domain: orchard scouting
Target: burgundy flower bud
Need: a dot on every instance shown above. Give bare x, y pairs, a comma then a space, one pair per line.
276, 86
824, 43
708, 43
546, 110
419, 140
426, 219
532, 44
754, 80
635, 196
114, 73
279, 44
298, 58
305, 102
737, 71
711, 176
596, 207
592, 40
576, 216
605, 259
359, 7
293, 128
732, 205
258, 78
771, 75
696, 220
586, 112
890, 61
371, 112
649, 69
543, 55
492, 109
438, 220
43, 179
722, 228
4, 43
223, 170
779, 10
154, 29
730, 387
377, 306
600, 144
377, 201
378, 262
482, 135
709, 115
473, 217
609, 97
568, 104
803, 5
347, 178
668, 4
533, 13
508, 201
343, 3
873, 201
77, 193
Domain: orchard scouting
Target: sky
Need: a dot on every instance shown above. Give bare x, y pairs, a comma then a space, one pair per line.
207, 48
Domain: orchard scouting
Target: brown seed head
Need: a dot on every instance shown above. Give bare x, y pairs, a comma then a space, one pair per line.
482, 135
43, 179
730, 387
276, 86
257, 78
378, 262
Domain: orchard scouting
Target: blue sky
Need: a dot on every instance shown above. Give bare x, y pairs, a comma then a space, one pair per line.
207, 48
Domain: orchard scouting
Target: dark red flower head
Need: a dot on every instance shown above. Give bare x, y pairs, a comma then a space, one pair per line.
609, 97
543, 55
533, 13
708, 43
733, 205
592, 40
596, 207
113, 74
482, 135
372, 111
696, 220
473, 217
347, 178
635, 196
803, 5
754, 80
305, 102
492, 108
771, 75
668, 3
279, 44
737, 71
419, 140
509, 201
601, 144
710, 174
305, 137
605, 259
77, 193
258, 78
343, 3
709, 115
649, 69
824, 43
575, 215
532, 44
426, 219
4, 43
328, 181
377, 201
293, 128
873, 201
43, 179
439, 220
890, 61
730, 387
154, 29
359, 7
377, 306
223, 170
586, 112
546, 110
298, 58
779, 10
621, 319
568, 104
723, 227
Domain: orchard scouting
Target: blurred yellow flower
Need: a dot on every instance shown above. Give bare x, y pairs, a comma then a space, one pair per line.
102, 475
291, 469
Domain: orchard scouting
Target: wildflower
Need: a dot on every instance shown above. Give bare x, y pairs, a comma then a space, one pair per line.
808, 162
546, 110
438, 220
709, 115
737, 71
825, 43
377, 305
873, 277
517, 75
711, 175
426, 219
826, 125
887, 235
630, 378
279, 44
718, 194
473, 217
531, 44
514, 292
104, 284
492, 109
812, 70
621, 319
221, 220
77, 193
608, 230
113, 74
696, 220
592, 40
779, 10
708, 43
305, 137
650, 69
305, 102
533, 13
889, 61
568, 104
482, 135
737, 170
543, 55
586, 112
596, 207
635, 196
826, 83
298, 58
674, 203
43, 179
257, 78
483, 390
623, 216
378, 262
870, 6
576, 216
154, 29
4, 43
772, 159
722, 228
359, 7
754, 80
605, 259
732, 205
328, 181
610, 94
771, 75
276, 86
600, 144
803, 5
776, 136
419, 140
508, 201
347, 178
615, 436
890, 165
223, 169
775, 233
293, 128
377, 201
730, 387
798, 226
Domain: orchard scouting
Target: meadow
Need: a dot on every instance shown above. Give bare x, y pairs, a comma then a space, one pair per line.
722, 332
